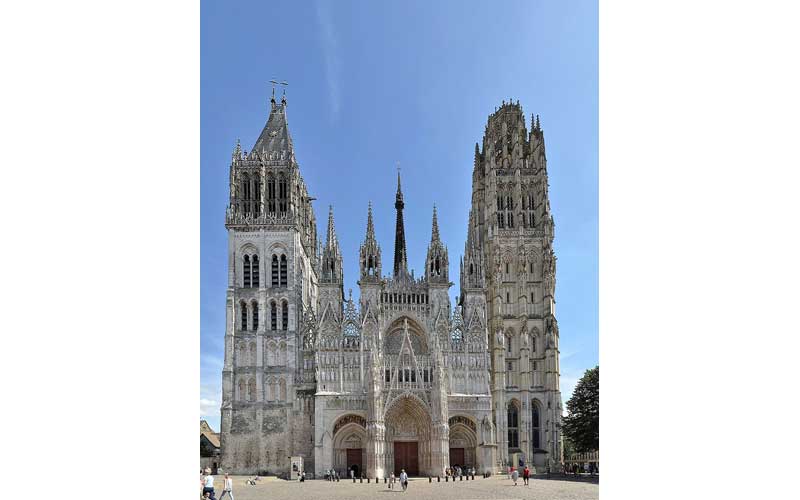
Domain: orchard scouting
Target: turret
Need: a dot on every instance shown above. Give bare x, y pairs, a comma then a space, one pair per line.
331, 255
370, 252
436, 263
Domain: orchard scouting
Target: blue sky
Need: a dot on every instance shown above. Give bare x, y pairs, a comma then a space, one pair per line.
376, 83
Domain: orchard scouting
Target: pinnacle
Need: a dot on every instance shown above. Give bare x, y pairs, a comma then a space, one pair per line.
370, 224
435, 226
331, 229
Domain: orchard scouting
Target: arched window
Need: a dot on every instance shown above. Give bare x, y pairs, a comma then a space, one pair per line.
251, 390
437, 266
536, 426
471, 269
275, 282
283, 271
254, 271
246, 271
253, 356
242, 391
273, 316
254, 305
243, 309
284, 315
282, 385
513, 426
257, 194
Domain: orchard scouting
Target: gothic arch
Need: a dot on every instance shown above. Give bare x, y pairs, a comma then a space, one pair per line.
349, 433
463, 436
393, 335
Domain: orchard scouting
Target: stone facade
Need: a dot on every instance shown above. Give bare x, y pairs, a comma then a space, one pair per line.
400, 378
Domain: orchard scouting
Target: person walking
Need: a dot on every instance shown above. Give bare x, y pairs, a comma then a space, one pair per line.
391, 481
403, 479
526, 475
514, 475
227, 487
208, 484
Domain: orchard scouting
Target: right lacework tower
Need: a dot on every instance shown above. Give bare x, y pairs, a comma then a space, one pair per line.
510, 265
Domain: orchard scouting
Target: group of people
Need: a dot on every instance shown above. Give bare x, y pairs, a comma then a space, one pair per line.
526, 475
457, 471
332, 475
207, 481
403, 480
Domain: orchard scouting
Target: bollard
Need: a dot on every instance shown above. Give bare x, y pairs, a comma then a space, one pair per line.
430, 479
354, 479
446, 478
473, 476
460, 478
384, 479
361, 480
367, 480
438, 479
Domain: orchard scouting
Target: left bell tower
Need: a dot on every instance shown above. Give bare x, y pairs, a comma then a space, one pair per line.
273, 277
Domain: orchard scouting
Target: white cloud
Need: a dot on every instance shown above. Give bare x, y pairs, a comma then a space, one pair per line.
209, 407
330, 51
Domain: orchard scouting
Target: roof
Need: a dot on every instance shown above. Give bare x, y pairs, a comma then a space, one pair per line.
275, 136
212, 437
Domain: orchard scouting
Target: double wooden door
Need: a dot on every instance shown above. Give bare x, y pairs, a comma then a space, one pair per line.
406, 457
354, 461
457, 457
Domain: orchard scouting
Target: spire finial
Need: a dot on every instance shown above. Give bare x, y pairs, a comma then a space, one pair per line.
435, 226
370, 224
331, 229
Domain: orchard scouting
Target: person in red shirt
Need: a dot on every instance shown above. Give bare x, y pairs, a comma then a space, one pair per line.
526, 474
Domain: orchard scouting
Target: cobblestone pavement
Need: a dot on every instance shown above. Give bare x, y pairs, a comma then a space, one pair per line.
497, 488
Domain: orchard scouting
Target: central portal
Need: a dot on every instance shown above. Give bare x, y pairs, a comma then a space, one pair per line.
406, 456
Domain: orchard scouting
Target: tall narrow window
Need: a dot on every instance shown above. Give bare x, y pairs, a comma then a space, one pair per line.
273, 316
246, 271
275, 282
536, 426
513, 426
284, 315
246, 192
243, 308
283, 271
271, 192
254, 305
282, 194
254, 271
257, 195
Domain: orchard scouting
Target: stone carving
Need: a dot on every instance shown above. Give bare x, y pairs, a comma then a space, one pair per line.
402, 337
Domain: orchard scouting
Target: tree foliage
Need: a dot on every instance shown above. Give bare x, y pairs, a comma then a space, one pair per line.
582, 424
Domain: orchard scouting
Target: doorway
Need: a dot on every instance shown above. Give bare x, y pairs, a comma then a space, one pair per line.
354, 461
406, 457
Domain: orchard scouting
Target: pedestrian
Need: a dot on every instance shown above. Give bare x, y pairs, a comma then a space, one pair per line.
403, 479
227, 487
302, 478
526, 475
514, 475
208, 484
391, 481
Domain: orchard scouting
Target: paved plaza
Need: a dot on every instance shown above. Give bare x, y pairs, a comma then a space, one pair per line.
498, 487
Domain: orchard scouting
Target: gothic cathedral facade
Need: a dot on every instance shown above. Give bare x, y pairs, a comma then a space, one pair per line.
401, 378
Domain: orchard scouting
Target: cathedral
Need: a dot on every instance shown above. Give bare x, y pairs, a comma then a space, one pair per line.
399, 378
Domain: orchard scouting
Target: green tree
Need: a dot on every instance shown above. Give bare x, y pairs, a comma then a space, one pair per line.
581, 426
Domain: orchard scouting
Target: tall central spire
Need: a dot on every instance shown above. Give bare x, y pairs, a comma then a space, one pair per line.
400, 260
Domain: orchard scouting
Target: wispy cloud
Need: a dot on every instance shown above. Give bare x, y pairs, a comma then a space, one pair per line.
330, 51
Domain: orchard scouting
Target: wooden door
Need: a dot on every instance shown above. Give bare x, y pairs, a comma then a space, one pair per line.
354, 461
405, 457
457, 457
